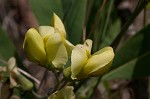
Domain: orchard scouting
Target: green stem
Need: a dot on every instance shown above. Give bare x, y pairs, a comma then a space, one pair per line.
97, 83
16, 92
141, 4
79, 85
43, 78
28, 75
25, 83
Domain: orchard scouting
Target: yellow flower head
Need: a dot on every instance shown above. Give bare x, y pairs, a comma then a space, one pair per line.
48, 44
83, 64
34, 47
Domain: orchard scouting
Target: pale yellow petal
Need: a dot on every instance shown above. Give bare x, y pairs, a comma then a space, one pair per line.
57, 23
88, 46
61, 57
102, 50
99, 63
45, 31
52, 44
56, 50
13, 82
78, 60
69, 47
34, 47
68, 92
65, 93
11, 64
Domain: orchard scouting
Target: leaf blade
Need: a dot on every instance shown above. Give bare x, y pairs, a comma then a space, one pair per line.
132, 58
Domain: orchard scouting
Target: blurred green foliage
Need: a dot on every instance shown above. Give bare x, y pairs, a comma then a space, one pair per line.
132, 59
7, 48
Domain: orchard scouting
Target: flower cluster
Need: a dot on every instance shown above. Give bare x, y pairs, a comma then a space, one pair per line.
83, 64
47, 46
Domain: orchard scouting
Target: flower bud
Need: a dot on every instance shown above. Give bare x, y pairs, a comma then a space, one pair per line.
56, 51
24, 83
99, 63
84, 65
78, 60
34, 47
48, 46
58, 25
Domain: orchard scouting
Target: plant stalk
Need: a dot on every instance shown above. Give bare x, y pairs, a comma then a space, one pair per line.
140, 6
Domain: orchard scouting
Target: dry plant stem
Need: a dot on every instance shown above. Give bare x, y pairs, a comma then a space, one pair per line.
64, 84
28, 75
141, 4
26, 13
38, 96
56, 76
55, 89
23, 72
84, 34
58, 85
43, 79
2, 61
97, 83
144, 16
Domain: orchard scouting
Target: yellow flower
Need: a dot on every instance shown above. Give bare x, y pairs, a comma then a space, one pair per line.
34, 47
83, 64
58, 25
48, 44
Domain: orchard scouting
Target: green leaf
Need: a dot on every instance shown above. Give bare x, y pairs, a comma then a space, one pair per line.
148, 6
132, 59
112, 32
74, 16
6, 46
74, 19
85, 91
43, 10
108, 26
